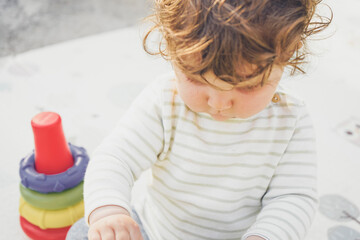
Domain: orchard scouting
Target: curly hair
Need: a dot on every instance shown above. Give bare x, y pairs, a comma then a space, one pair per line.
223, 35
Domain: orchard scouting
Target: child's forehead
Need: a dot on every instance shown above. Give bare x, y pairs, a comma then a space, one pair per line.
209, 77
218, 83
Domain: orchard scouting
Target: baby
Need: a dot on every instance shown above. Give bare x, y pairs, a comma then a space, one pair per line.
232, 155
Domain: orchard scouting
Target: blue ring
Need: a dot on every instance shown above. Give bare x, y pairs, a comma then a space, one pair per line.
45, 183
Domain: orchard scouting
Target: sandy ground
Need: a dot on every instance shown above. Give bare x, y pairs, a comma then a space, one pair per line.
31, 24
91, 81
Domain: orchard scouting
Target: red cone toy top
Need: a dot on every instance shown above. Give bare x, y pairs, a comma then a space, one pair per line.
52, 153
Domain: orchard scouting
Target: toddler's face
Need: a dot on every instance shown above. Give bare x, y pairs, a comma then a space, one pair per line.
225, 101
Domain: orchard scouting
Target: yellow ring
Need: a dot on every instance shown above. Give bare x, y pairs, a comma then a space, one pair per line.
51, 218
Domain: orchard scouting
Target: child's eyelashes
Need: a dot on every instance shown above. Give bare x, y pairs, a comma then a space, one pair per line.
249, 88
254, 87
191, 80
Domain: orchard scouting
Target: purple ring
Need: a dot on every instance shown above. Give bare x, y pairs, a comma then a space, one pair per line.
45, 183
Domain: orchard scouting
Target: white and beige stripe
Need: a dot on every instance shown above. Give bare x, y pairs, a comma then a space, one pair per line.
211, 180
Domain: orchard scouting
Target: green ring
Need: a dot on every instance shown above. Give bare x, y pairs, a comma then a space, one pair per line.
54, 200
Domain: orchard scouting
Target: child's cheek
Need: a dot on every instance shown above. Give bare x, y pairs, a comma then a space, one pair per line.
194, 97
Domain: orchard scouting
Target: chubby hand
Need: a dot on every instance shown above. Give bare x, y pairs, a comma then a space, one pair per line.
117, 226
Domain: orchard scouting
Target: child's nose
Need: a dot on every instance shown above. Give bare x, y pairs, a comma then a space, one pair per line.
220, 100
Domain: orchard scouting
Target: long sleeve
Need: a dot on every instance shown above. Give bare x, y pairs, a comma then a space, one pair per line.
290, 201
131, 149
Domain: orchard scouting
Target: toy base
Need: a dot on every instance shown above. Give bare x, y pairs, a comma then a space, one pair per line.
36, 233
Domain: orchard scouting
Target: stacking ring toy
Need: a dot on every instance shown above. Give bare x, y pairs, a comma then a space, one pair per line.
53, 201
51, 218
34, 232
44, 183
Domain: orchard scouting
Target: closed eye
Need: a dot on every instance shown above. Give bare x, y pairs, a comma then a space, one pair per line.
249, 88
194, 81
258, 86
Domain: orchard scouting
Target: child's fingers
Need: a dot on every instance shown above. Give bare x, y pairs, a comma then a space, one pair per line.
115, 227
128, 227
108, 234
94, 235
123, 235
134, 231
125, 224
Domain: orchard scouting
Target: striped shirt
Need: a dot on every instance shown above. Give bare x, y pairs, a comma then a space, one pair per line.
210, 179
